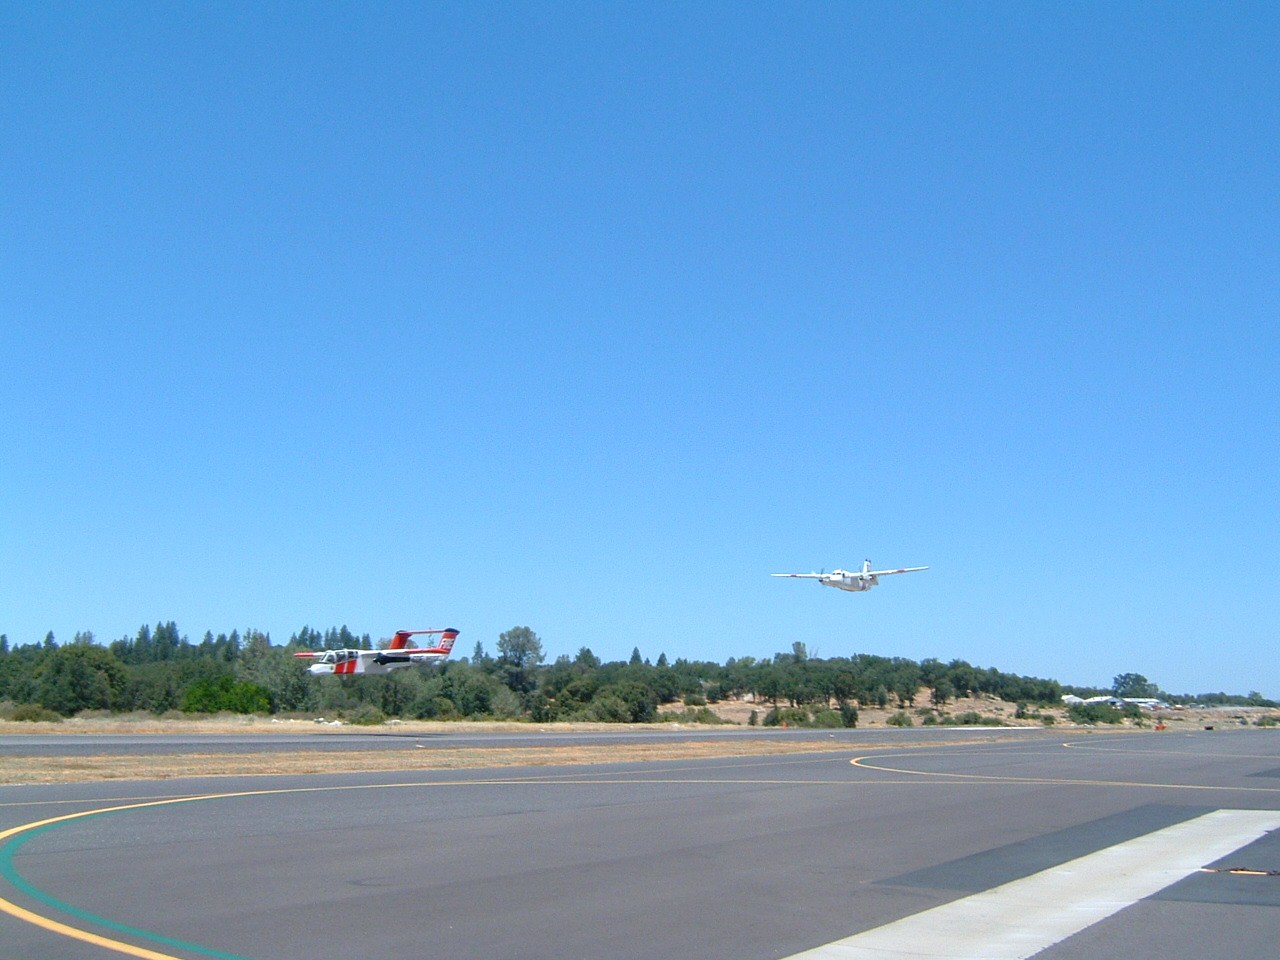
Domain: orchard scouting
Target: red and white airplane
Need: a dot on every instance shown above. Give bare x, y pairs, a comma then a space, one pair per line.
398, 654
855, 581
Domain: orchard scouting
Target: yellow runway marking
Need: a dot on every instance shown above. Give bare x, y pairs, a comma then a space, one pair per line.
1108, 748
120, 946
864, 762
83, 935
861, 762
66, 930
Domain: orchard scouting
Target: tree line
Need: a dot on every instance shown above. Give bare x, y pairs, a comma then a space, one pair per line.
159, 670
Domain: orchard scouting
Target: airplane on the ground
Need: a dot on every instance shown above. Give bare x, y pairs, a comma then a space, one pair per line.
855, 581
398, 654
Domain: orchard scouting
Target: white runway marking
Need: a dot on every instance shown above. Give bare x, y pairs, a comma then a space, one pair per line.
1019, 919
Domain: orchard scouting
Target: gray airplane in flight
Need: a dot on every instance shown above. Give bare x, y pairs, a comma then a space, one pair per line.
855, 581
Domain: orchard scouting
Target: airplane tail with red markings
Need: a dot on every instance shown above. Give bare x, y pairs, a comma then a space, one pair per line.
401, 640
446, 640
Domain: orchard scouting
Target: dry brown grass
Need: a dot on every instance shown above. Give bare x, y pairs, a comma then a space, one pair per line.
37, 768
55, 769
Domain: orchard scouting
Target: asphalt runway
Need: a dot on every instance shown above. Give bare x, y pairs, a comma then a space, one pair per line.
99, 744
731, 859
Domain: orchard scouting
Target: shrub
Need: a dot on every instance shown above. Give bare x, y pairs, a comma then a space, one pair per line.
225, 694
900, 719
504, 704
1095, 713
607, 708
827, 719
35, 713
700, 715
971, 718
787, 716
428, 707
366, 715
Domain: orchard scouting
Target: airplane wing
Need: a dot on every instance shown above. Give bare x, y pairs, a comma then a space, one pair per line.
882, 573
806, 576
403, 651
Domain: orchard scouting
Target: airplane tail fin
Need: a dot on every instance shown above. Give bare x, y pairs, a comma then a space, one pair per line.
402, 639
446, 640
442, 649
866, 567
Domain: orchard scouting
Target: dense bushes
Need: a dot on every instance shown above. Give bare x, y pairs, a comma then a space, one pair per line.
160, 670
822, 718
1101, 713
225, 694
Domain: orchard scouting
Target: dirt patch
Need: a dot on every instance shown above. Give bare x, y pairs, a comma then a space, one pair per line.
739, 711
1004, 713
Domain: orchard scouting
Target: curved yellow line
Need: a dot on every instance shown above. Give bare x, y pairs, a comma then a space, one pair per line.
76, 933
861, 763
1107, 748
143, 953
66, 930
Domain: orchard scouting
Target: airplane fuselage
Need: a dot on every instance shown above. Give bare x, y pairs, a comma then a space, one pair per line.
343, 662
853, 582
398, 653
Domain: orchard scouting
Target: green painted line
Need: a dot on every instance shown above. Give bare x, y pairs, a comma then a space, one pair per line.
11, 874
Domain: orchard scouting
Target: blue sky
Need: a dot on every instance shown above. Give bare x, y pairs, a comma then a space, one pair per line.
589, 317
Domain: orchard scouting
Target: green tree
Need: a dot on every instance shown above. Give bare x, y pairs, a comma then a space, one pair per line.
304, 639
276, 671
225, 694
519, 653
942, 691
79, 676
641, 701
156, 687
1133, 685
520, 647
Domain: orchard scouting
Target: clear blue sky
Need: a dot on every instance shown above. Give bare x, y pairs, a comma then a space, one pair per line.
590, 317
